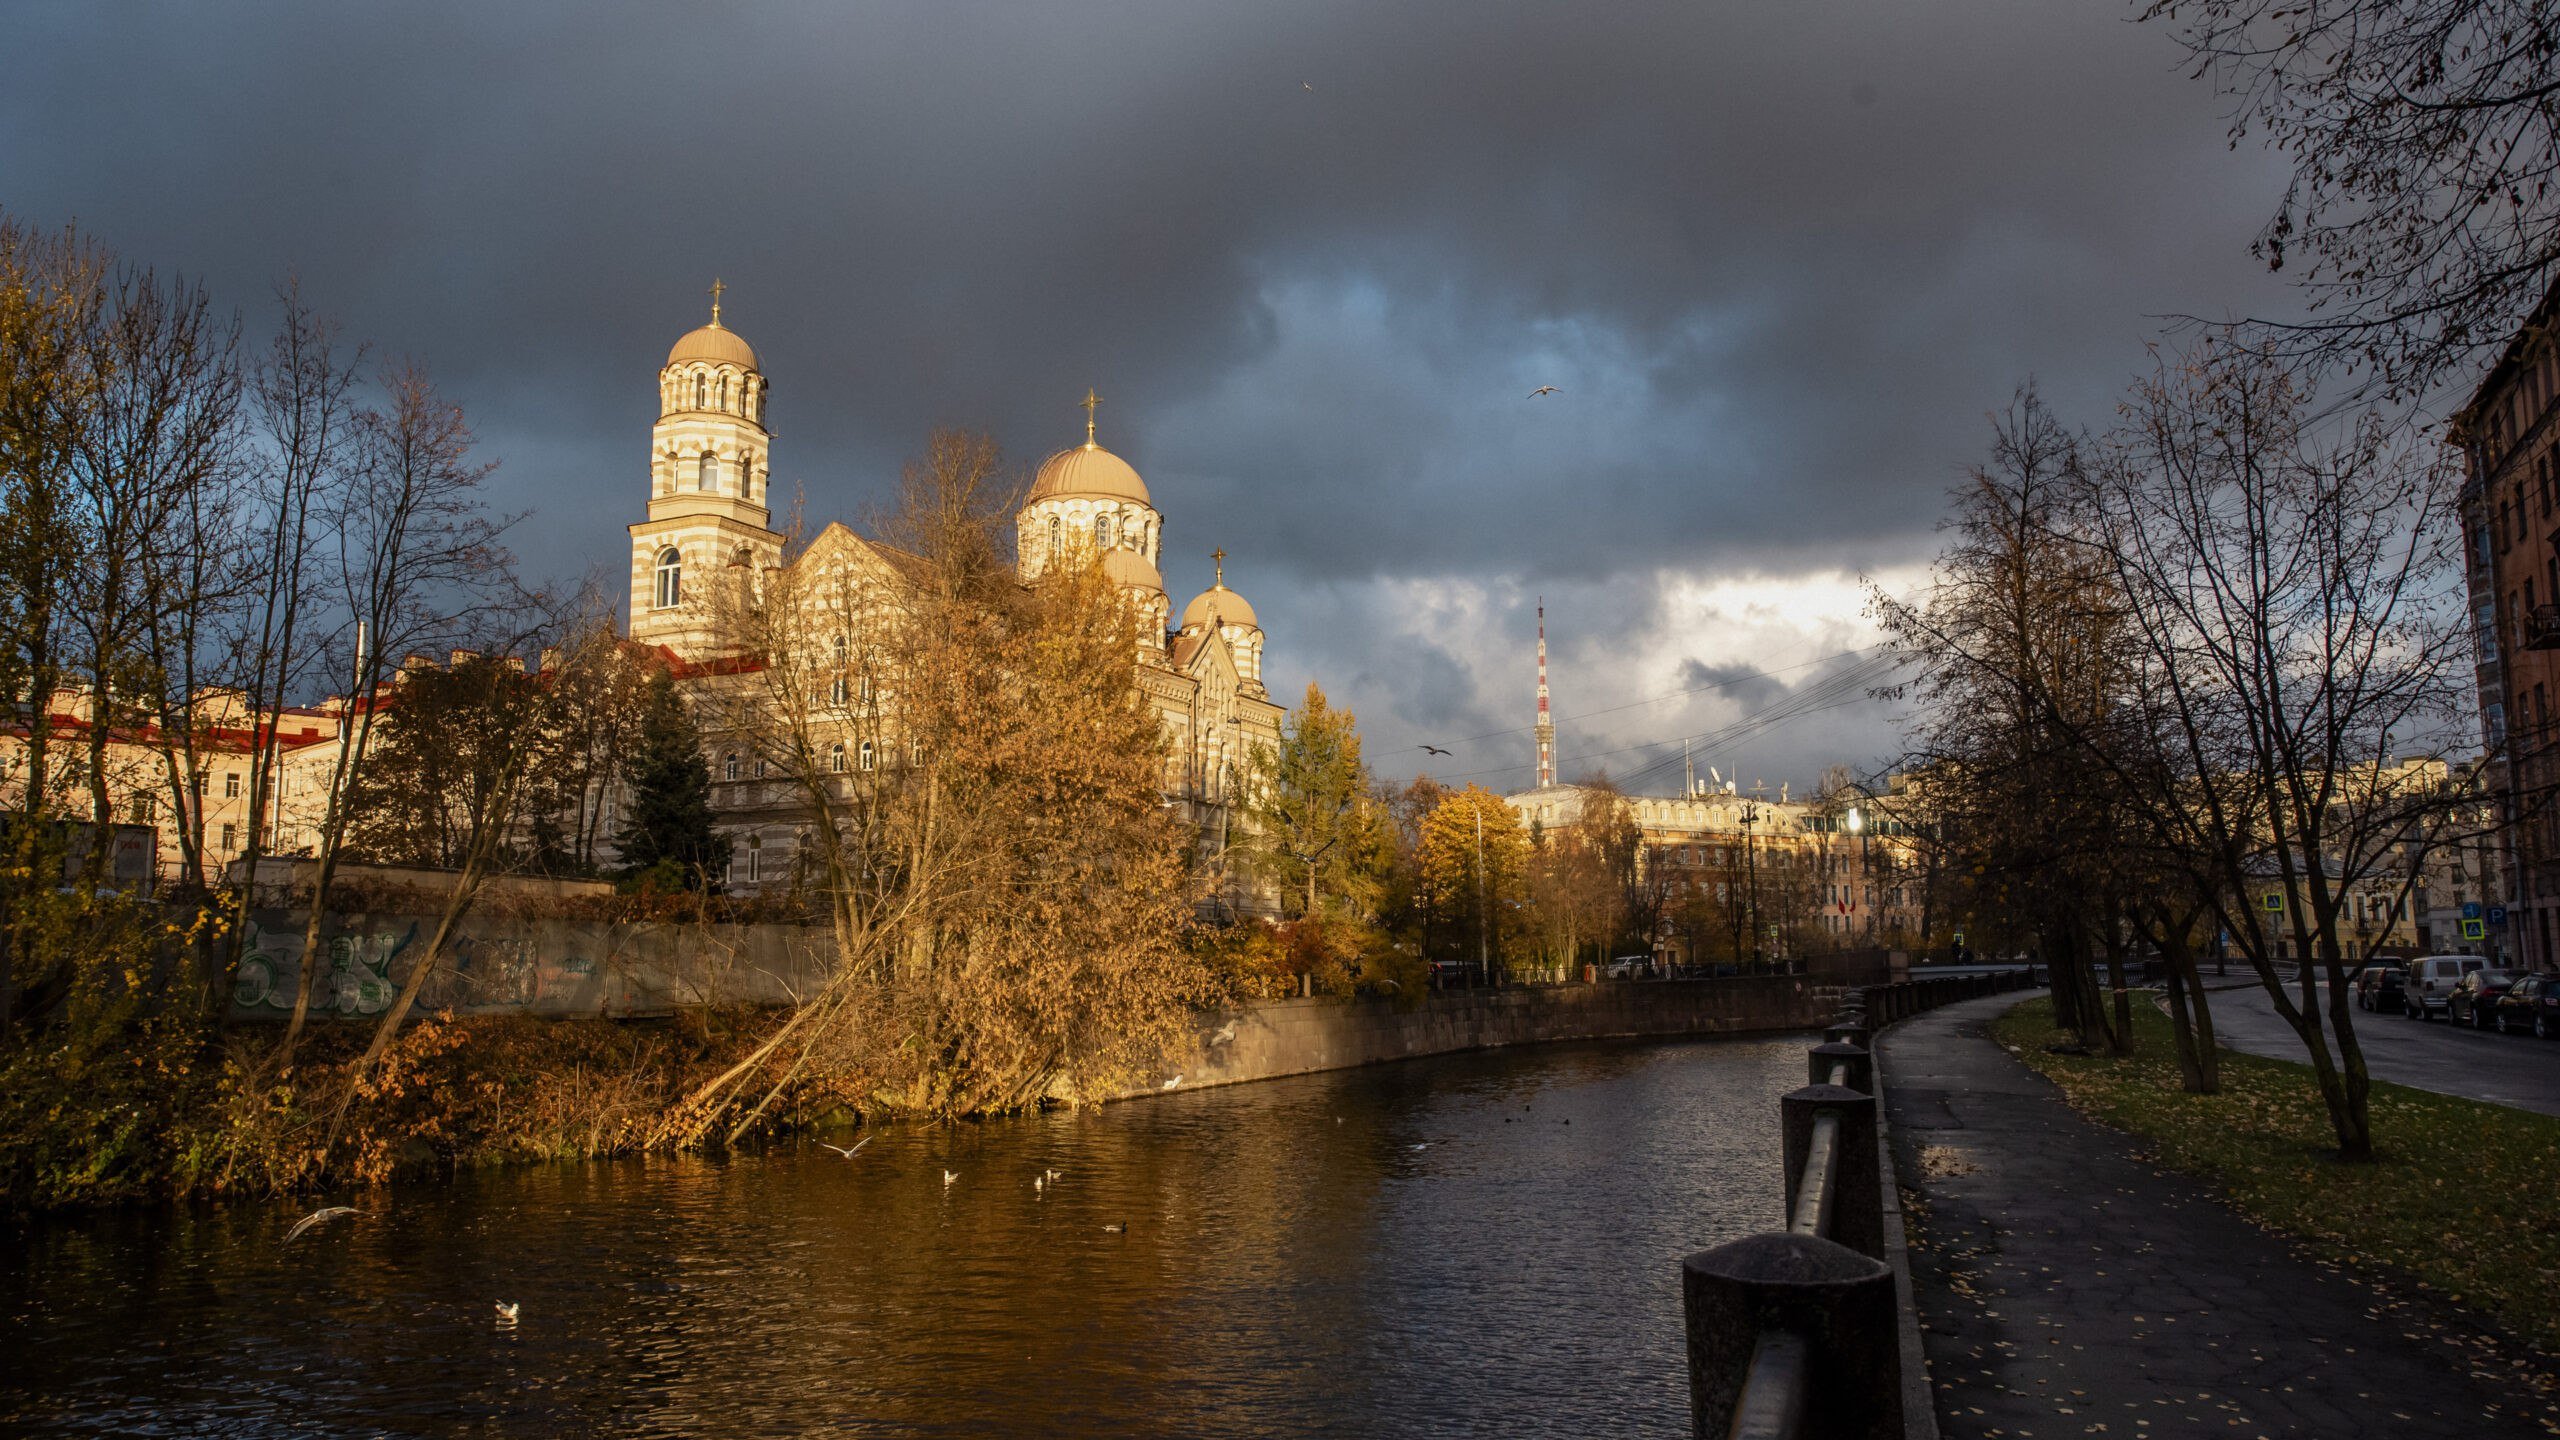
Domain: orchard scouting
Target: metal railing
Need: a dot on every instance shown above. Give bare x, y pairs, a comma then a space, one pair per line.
1769, 1313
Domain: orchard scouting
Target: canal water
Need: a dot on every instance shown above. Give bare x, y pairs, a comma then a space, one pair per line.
1474, 1245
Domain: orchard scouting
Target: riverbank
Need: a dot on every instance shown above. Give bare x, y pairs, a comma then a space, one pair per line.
2070, 1285
180, 1113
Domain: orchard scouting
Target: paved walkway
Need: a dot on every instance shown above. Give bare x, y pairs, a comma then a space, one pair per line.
2068, 1289
2433, 1055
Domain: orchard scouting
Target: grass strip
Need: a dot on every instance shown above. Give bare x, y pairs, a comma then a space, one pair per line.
2465, 1198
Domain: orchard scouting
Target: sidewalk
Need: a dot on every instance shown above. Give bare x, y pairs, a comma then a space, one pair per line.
2066, 1288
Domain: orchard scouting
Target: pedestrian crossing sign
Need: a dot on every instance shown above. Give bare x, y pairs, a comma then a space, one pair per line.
2475, 929
2275, 901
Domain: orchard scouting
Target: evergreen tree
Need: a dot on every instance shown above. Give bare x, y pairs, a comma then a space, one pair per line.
668, 830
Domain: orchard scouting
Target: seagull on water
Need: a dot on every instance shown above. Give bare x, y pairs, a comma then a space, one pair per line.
950, 1178
847, 1150
506, 1312
1169, 1084
1116, 1227
1422, 1145
318, 1217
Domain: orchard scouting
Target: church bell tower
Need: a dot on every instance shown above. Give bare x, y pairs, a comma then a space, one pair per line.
710, 472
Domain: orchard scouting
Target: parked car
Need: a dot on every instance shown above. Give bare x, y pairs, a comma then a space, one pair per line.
2424, 989
1630, 967
2378, 986
2532, 1005
2474, 998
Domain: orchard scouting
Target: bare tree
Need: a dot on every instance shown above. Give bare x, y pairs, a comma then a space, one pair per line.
2425, 141
2289, 587
302, 400
154, 433
418, 557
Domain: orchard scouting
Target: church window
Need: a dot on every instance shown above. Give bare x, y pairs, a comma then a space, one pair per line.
710, 471
870, 754
755, 858
1054, 540
701, 392
729, 766
670, 580
835, 757
724, 392
1102, 532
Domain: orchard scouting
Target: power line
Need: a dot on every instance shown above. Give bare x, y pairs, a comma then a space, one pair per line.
1725, 684
1842, 689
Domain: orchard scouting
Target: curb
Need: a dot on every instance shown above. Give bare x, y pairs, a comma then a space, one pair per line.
1919, 1393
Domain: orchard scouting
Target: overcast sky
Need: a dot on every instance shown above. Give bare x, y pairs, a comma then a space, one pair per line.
1780, 260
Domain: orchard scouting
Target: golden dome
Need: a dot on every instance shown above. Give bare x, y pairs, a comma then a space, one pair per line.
1225, 604
715, 343
1088, 471
1124, 566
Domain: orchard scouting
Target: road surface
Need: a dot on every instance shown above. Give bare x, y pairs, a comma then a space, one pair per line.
2431, 1055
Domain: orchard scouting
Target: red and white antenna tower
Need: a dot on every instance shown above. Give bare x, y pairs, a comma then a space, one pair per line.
1546, 727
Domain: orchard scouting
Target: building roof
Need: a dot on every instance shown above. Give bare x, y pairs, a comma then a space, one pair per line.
716, 343
1088, 471
1124, 566
1228, 606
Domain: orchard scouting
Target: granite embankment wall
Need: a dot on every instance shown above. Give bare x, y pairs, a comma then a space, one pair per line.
1298, 1037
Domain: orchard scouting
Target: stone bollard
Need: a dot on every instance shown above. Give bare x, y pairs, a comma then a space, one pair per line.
1846, 1032
1839, 1301
1862, 1075
1856, 1216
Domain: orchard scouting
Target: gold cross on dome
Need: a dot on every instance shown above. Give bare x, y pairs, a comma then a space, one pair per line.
1219, 558
716, 288
1091, 402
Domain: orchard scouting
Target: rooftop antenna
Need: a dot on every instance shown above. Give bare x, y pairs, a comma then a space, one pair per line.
1691, 766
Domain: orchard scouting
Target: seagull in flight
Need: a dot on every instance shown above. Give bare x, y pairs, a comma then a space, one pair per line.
1434, 749
1169, 1084
1542, 390
847, 1150
317, 1217
950, 1178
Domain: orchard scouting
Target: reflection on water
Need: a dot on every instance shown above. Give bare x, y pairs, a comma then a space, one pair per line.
1475, 1244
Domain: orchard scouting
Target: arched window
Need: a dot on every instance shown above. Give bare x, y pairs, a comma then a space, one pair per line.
866, 689
869, 755
755, 858
710, 471
747, 475
729, 766
701, 392
1054, 538
724, 392
669, 592
838, 692
1102, 532
835, 757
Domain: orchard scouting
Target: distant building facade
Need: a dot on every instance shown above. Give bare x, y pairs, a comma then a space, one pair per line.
2510, 506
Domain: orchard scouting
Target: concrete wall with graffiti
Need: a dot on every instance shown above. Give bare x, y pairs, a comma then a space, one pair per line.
497, 965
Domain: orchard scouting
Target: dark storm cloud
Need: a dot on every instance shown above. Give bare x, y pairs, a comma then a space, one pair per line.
1742, 684
1779, 259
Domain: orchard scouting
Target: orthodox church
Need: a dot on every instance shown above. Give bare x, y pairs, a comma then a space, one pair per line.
710, 471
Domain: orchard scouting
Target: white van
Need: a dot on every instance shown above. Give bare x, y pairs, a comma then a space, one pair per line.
2431, 981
